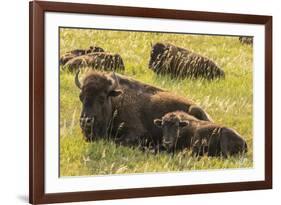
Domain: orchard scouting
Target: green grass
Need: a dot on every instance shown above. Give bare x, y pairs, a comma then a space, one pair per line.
228, 101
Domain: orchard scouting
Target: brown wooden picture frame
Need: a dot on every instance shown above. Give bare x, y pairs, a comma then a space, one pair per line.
37, 96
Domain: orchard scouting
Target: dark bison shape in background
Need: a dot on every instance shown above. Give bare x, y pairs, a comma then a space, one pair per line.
181, 130
180, 62
123, 109
97, 60
79, 52
246, 40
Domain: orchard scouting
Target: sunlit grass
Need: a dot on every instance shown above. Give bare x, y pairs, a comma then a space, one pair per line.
228, 101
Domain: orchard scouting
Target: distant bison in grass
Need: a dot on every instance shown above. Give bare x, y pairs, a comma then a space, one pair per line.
181, 130
79, 52
123, 109
246, 40
180, 62
97, 60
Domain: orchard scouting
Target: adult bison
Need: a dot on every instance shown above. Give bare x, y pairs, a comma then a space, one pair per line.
180, 62
79, 52
246, 40
181, 130
97, 60
123, 109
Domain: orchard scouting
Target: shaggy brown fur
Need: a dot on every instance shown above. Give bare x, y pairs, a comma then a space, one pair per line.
79, 52
124, 109
181, 130
128, 83
97, 60
180, 62
66, 57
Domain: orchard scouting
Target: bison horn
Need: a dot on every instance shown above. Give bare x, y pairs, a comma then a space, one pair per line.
77, 82
116, 80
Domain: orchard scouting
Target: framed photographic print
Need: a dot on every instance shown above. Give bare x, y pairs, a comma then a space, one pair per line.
139, 102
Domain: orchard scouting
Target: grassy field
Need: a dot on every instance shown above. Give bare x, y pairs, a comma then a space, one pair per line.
228, 101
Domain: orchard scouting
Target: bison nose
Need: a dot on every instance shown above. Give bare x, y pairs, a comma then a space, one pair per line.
166, 142
88, 120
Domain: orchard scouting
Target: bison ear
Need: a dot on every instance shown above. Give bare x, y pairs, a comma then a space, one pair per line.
115, 93
183, 123
158, 122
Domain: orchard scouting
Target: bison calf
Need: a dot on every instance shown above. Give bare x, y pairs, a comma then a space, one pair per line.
180, 62
181, 130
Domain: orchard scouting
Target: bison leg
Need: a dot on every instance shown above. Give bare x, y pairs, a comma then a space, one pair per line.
199, 113
130, 139
198, 146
